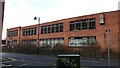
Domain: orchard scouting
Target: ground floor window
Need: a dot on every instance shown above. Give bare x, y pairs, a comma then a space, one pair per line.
51, 41
82, 41
12, 42
30, 42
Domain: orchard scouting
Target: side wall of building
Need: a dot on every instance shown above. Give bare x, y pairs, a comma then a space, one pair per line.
111, 23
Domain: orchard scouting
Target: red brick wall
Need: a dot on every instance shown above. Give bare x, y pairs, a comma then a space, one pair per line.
119, 31
111, 22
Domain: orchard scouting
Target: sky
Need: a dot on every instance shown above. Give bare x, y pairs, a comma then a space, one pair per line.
21, 12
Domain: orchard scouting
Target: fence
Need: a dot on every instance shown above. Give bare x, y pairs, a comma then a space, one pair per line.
88, 52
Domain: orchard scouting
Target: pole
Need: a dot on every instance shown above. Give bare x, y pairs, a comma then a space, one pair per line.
38, 29
37, 18
38, 33
108, 34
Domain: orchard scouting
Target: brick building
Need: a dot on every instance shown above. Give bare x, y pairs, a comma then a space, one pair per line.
77, 32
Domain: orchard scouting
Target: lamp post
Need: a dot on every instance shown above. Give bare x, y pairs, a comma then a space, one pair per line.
37, 18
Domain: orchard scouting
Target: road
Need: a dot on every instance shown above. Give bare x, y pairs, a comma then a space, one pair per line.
25, 60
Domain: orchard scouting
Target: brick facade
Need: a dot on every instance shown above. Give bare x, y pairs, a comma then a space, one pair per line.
111, 22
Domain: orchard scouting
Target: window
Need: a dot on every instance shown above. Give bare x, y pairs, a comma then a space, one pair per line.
52, 41
45, 29
82, 24
29, 31
56, 41
72, 26
92, 41
48, 42
52, 28
30, 42
57, 28
78, 25
33, 42
61, 41
102, 19
13, 33
92, 24
34, 31
61, 27
41, 29
14, 42
44, 42
25, 32
82, 41
41, 42
49, 29
85, 40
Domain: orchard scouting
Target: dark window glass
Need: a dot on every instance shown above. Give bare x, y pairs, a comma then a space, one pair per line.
41, 29
72, 26
52, 28
61, 27
23, 32
45, 29
34, 31
78, 24
13, 33
92, 24
29, 31
49, 29
83, 24
57, 28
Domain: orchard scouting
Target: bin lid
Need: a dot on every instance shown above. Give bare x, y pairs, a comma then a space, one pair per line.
69, 55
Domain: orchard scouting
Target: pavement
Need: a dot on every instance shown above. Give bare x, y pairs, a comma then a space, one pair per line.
33, 61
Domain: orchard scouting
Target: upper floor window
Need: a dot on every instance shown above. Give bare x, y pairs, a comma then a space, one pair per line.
72, 26
83, 24
29, 31
60, 27
13, 33
52, 28
49, 29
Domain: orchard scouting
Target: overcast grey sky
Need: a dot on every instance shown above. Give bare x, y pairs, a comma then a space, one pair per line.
22, 12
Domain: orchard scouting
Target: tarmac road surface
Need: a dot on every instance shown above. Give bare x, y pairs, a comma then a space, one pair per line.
14, 60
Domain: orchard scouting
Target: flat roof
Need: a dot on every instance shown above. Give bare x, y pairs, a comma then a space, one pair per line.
69, 55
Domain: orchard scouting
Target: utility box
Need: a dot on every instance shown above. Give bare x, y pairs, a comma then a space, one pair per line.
68, 61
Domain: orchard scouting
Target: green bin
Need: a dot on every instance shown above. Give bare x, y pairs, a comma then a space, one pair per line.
68, 61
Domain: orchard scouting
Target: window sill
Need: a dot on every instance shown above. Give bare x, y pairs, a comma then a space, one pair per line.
81, 46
